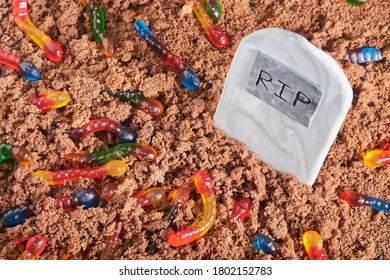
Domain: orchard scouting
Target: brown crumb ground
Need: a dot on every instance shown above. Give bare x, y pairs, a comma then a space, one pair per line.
184, 136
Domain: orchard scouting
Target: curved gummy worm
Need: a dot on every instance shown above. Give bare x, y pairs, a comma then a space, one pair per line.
98, 28
356, 2
376, 158
86, 198
50, 48
213, 9
18, 216
21, 155
112, 241
124, 134
313, 245
356, 199
24, 68
186, 75
241, 208
364, 55
51, 99
204, 185
34, 247
112, 168
179, 197
266, 244
140, 151
216, 36
151, 196
138, 100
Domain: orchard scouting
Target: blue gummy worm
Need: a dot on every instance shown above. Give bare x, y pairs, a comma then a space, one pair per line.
87, 198
18, 216
29, 71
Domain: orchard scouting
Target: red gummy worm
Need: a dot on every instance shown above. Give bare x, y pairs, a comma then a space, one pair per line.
241, 208
124, 134
51, 49
112, 168
152, 196
34, 247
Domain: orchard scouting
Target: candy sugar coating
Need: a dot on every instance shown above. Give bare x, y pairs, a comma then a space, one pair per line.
213, 9
376, 158
18, 216
216, 36
266, 244
24, 68
151, 196
356, 199
364, 55
140, 151
51, 99
178, 197
112, 168
138, 100
124, 134
356, 2
241, 208
186, 75
98, 28
112, 241
50, 48
21, 155
204, 186
34, 247
312, 242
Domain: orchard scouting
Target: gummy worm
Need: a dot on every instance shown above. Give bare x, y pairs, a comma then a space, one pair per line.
364, 55
51, 49
86, 198
376, 158
124, 134
356, 199
18, 216
138, 100
112, 168
71, 256
179, 197
21, 155
34, 247
216, 36
266, 244
313, 245
356, 2
241, 208
151, 196
140, 151
24, 68
204, 185
51, 99
213, 9
98, 28
112, 241
107, 194
186, 75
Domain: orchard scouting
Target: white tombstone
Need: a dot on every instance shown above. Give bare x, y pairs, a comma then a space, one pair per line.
286, 100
